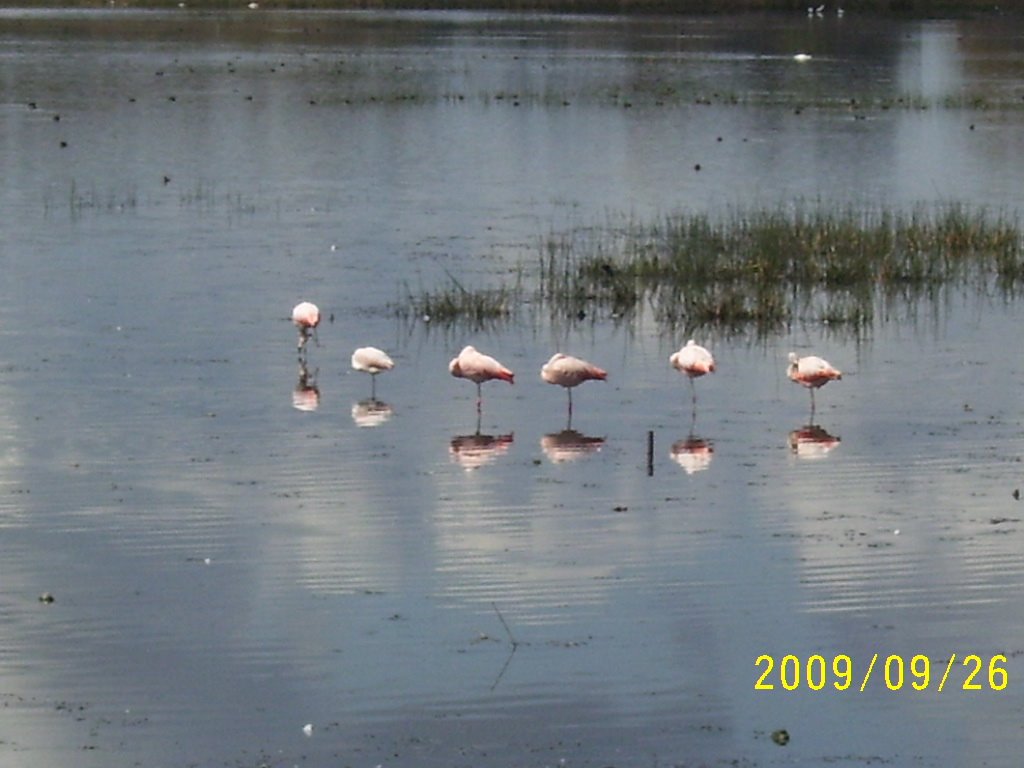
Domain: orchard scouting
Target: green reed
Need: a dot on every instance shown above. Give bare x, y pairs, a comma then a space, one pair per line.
453, 303
766, 268
748, 270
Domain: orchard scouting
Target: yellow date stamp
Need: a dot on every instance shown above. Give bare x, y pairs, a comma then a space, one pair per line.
918, 673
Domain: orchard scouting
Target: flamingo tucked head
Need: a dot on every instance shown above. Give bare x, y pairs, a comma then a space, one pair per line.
812, 371
693, 360
566, 371
371, 360
478, 367
306, 315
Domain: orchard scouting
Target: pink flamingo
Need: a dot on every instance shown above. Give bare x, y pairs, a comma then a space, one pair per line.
478, 368
567, 371
372, 361
306, 317
812, 372
693, 360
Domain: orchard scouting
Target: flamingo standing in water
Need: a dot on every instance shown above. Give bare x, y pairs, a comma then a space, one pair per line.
694, 361
567, 371
372, 361
306, 317
812, 372
478, 368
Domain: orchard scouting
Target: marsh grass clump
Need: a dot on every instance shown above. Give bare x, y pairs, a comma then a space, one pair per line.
749, 270
454, 304
766, 268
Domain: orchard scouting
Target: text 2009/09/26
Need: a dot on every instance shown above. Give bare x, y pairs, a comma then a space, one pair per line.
919, 673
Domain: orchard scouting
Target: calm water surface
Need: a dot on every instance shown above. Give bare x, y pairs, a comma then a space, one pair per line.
424, 589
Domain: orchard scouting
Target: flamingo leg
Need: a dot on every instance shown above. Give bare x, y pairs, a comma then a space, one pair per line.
479, 398
569, 390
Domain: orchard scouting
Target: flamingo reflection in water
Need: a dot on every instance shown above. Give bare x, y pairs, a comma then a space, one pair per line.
476, 450
569, 445
812, 442
370, 413
693, 454
306, 395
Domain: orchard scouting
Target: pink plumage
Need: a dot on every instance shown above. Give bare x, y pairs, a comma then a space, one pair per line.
478, 368
567, 371
693, 360
812, 371
306, 317
372, 361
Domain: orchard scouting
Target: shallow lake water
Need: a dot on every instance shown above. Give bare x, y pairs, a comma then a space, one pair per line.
237, 546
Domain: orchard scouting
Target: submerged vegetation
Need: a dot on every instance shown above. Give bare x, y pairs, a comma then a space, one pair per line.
755, 270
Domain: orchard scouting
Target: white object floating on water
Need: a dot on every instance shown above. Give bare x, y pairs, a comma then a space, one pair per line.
802, 57
253, 6
308, 729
